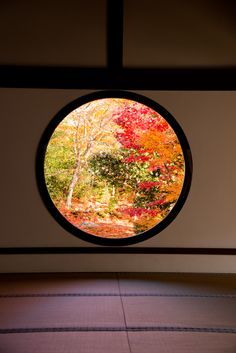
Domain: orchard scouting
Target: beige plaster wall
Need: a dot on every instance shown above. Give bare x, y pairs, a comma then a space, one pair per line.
206, 220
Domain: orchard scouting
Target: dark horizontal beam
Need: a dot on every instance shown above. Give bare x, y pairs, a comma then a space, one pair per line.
130, 79
116, 250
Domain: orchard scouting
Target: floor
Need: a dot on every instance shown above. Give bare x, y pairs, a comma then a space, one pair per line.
117, 313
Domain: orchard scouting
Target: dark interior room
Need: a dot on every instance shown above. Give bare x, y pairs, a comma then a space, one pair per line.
118, 176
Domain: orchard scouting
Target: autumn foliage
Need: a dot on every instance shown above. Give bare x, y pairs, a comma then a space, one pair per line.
114, 168
150, 141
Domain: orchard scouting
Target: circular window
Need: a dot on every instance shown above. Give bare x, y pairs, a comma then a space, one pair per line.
114, 168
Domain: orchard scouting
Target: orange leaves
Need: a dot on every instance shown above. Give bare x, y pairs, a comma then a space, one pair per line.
146, 222
177, 149
152, 139
165, 145
173, 192
90, 222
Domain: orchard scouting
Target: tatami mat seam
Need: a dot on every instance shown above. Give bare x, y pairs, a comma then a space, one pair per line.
36, 295
120, 329
123, 310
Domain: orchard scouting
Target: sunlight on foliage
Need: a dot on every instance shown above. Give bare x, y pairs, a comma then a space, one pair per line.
114, 168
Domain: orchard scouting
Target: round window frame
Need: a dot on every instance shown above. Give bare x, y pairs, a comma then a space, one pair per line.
55, 213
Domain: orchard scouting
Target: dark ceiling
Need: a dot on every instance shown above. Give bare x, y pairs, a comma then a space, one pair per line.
164, 38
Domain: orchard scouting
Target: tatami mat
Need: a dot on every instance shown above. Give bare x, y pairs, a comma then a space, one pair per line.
69, 342
180, 284
180, 312
181, 342
81, 283
61, 312
117, 313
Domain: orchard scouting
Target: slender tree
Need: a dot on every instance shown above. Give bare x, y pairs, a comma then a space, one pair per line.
93, 124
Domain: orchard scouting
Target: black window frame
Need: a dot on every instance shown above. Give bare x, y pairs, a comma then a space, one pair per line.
42, 188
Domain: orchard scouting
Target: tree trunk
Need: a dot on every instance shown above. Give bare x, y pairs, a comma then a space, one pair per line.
113, 190
75, 177
72, 185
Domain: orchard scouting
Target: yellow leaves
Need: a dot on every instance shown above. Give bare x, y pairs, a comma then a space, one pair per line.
89, 128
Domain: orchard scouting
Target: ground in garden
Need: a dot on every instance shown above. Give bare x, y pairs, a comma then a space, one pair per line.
85, 216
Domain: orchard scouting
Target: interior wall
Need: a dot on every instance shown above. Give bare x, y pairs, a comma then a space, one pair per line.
53, 33
206, 220
196, 33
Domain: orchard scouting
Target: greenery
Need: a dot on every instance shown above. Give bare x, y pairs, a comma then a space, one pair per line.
114, 168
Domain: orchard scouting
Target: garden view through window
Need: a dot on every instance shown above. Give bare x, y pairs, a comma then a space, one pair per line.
114, 168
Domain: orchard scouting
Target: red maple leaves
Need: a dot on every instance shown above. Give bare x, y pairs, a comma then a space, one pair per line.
151, 143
